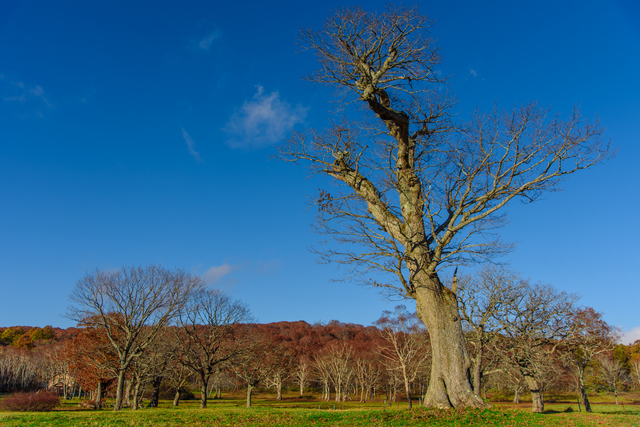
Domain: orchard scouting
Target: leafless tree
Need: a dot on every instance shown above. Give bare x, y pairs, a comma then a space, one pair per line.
368, 374
483, 300
206, 331
536, 319
611, 373
253, 365
132, 305
589, 337
417, 191
302, 372
322, 371
339, 358
404, 346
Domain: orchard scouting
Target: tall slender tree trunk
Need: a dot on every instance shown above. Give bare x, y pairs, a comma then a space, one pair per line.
98, 400
407, 386
477, 371
127, 393
516, 395
583, 391
136, 395
176, 398
203, 390
249, 391
449, 384
120, 388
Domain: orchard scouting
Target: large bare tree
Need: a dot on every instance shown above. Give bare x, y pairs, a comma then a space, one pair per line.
416, 190
132, 305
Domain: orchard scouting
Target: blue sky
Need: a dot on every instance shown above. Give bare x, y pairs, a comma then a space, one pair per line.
142, 133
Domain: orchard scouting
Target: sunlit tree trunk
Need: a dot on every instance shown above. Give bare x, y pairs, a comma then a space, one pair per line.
537, 398
449, 383
249, 392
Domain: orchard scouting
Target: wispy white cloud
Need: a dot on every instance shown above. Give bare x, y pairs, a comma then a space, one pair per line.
630, 336
206, 42
263, 120
17, 91
191, 145
38, 92
473, 72
215, 273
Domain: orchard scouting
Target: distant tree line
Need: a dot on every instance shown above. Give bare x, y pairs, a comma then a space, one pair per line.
148, 335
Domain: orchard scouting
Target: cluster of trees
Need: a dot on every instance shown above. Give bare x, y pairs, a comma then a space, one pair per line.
31, 357
533, 336
148, 329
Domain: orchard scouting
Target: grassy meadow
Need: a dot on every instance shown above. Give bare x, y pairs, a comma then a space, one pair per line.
294, 411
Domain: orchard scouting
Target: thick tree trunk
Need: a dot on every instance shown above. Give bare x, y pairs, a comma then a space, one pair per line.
450, 367
176, 398
119, 390
155, 397
537, 400
249, 391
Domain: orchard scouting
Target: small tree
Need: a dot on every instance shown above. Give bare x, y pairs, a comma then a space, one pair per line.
611, 373
535, 321
132, 305
483, 300
405, 344
208, 335
253, 365
589, 336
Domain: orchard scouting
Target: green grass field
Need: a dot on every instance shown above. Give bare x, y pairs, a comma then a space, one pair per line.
292, 411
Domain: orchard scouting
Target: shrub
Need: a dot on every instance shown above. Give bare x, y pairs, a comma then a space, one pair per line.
43, 401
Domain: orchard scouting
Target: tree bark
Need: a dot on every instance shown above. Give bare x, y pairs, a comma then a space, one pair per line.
583, 391
127, 393
477, 371
249, 390
407, 385
203, 391
119, 390
537, 399
136, 395
155, 397
449, 384
176, 398
99, 395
